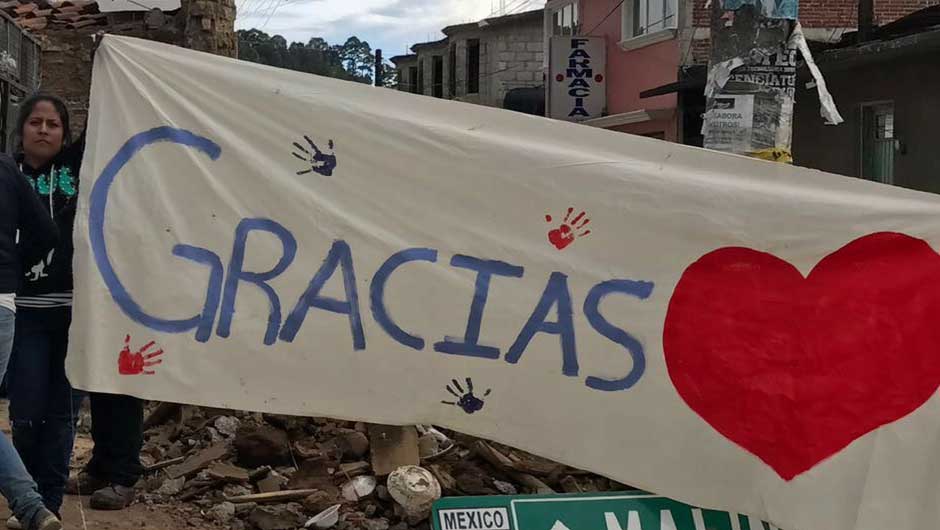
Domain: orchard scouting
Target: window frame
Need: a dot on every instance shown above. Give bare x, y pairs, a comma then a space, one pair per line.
561, 9
552, 7
437, 76
412, 79
631, 40
473, 79
421, 74
452, 70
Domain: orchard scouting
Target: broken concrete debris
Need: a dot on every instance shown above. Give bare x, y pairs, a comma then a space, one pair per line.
393, 447
359, 488
248, 471
415, 489
260, 445
325, 519
222, 513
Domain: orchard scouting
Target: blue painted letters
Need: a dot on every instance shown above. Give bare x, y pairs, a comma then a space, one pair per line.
592, 302
339, 256
470, 346
377, 293
553, 314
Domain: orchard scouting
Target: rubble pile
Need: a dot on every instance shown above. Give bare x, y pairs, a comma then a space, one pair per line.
267, 472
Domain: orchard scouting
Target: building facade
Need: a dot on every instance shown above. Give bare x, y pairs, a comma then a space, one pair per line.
497, 62
888, 91
658, 52
642, 51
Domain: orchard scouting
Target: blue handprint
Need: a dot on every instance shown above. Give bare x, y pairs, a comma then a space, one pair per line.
465, 399
320, 162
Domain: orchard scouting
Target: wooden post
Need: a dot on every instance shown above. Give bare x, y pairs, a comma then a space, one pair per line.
379, 68
754, 45
866, 19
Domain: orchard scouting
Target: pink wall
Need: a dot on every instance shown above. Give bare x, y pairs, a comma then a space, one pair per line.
632, 72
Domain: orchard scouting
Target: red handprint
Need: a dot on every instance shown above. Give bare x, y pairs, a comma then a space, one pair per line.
137, 363
569, 230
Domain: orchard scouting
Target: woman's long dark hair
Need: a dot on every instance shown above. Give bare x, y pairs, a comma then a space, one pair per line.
27, 108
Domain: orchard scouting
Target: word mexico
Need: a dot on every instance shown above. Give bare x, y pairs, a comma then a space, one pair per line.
553, 314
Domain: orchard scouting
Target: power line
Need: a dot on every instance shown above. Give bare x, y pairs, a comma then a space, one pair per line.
685, 56
271, 13
616, 7
520, 8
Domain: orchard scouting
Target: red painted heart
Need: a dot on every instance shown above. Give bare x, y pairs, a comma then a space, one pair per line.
794, 369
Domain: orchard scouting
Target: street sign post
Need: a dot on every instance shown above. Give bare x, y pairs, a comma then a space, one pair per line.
594, 511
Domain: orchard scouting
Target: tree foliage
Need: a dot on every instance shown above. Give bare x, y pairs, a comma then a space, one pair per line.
353, 60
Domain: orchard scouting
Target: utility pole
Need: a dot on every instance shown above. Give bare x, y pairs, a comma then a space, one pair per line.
379, 69
751, 79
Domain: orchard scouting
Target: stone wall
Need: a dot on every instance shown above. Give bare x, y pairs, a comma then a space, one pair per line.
204, 25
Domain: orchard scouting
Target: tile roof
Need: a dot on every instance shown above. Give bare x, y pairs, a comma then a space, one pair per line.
37, 16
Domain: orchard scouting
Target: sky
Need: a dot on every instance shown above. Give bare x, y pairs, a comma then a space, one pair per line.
392, 25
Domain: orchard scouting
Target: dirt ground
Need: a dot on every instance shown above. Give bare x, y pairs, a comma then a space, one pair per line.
77, 515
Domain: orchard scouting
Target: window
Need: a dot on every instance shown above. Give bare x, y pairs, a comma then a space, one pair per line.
562, 18
878, 142
648, 17
452, 71
437, 76
565, 20
419, 80
413, 79
473, 66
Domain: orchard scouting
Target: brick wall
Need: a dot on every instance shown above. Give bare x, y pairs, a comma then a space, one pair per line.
813, 14
836, 13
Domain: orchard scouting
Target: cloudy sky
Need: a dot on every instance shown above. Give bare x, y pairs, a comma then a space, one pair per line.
391, 25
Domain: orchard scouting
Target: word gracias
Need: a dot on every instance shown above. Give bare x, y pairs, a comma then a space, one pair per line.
224, 282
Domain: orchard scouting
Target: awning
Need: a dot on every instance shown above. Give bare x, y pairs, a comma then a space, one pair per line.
690, 78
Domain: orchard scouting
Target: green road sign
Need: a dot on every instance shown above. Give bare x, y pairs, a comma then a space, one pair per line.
596, 511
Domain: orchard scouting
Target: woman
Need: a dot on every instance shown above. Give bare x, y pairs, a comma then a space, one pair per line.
21, 216
42, 409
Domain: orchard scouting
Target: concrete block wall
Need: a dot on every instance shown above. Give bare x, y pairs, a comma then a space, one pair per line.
511, 56
404, 74
459, 40
516, 61
836, 13
426, 58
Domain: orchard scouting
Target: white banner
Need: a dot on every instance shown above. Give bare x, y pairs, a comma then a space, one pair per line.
735, 334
